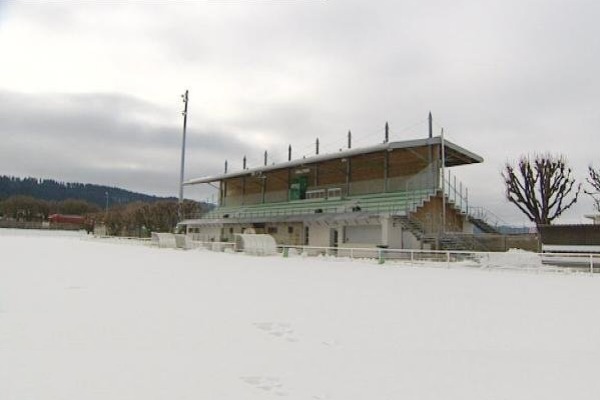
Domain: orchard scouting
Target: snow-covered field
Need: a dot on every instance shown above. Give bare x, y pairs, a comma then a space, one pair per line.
84, 319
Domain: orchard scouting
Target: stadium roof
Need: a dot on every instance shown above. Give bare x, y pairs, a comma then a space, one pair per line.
454, 155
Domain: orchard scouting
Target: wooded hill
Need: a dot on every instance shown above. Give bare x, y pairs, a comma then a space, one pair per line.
51, 190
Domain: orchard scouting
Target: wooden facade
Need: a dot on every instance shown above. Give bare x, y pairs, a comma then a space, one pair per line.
377, 172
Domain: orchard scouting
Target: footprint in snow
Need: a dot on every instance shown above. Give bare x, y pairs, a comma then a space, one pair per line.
331, 343
268, 384
278, 329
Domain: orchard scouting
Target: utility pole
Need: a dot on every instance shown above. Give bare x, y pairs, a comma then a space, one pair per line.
430, 159
106, 209
184, 113
443, 157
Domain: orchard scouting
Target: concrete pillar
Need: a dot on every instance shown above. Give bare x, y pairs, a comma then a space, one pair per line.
386, 230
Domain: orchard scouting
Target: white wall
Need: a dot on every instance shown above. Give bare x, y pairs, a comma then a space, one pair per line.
318, 235
283, 236
409, 241
387, 233
393, 230
363, 234
206, 234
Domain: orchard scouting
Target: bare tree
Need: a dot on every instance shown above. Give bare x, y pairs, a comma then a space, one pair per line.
77, 207
594, 180
542, 188
25, 208
142, 218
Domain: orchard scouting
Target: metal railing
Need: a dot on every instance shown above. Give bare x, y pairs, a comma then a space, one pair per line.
517, 260
214, 246
420, 187
487, 216
143, 241
456, 192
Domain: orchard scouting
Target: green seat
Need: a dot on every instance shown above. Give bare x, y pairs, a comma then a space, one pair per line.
394, 202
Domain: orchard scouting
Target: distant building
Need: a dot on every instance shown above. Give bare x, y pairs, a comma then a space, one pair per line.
595, 218
66, 219
570, 238
63, 221
388, 195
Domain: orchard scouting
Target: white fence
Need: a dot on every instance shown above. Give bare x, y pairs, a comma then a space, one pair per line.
512, 260
215, 246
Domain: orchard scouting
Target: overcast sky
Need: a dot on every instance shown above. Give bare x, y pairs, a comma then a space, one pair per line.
91, 93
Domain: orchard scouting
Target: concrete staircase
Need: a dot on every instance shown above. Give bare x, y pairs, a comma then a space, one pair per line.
483, 225
461, 241
413, 226
447, 241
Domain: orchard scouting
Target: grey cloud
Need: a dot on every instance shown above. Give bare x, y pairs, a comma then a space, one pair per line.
102, 138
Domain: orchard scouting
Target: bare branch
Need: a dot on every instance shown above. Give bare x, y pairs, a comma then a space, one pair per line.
594, 181
542, 188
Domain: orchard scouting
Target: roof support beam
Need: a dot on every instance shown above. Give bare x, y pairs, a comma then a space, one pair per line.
386, 162
348, 172
243, 187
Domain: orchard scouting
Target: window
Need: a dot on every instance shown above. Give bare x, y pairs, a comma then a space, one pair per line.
271, 230
334, 193
315, 194
306, 235
290, 229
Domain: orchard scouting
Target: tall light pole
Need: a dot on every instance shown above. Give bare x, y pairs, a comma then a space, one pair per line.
185, 101
443, 146
106, 215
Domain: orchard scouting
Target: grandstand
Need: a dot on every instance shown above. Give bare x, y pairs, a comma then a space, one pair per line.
392, 194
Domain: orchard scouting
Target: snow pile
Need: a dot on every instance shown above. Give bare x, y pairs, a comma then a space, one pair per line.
164, 240
95, 320
256, 244
514, 258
